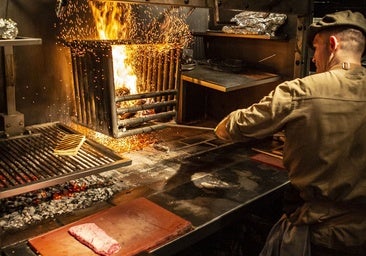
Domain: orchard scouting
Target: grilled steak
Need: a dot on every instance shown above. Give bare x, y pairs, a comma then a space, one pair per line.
95, 238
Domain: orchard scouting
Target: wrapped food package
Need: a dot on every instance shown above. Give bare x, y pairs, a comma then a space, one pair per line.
8, 29
257, 23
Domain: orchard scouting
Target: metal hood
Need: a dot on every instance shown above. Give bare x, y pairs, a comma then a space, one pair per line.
188, 3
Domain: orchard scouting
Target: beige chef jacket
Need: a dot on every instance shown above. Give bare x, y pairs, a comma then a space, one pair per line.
324, 120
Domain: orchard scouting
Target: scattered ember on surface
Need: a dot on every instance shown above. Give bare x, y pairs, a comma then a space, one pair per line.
121, 145
18, 212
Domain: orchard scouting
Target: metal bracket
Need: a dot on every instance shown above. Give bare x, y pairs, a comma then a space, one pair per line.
12, 121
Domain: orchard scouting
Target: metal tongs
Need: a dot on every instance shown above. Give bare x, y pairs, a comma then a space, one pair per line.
173, 124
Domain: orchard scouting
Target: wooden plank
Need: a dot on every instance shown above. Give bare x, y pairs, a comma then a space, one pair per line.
138, 225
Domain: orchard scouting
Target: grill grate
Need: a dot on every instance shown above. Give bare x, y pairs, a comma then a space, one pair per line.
27, 163
101, 106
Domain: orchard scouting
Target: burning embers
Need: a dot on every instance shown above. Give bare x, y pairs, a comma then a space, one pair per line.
20, 211
126, 80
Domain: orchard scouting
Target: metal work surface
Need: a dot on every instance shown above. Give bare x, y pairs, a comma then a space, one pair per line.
219, 186
27, 162
224, 81
190, 173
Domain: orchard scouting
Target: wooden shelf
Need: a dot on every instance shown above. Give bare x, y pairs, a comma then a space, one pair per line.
219, 33
225, 81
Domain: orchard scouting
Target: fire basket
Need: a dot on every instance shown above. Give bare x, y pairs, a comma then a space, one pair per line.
104, 98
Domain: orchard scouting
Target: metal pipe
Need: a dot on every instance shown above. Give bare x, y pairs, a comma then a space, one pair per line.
140, 120
145, 95
159, 82
136, 108
140, 130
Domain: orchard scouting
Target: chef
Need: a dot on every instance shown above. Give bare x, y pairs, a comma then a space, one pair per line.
323, 117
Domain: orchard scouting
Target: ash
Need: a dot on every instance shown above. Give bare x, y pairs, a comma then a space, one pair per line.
24, 210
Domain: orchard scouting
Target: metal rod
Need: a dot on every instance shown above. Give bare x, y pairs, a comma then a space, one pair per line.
140, 120
140, 130
266, 58
159, 82
187, 126
165, 75
77, 102
178, 55
145, 62
10, 80
145, 95
136, 108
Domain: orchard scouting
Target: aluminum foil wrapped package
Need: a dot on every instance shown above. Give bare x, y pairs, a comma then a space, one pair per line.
257, 23
8, 29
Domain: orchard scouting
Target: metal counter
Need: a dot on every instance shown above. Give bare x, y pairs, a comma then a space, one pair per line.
228, 184
207, 182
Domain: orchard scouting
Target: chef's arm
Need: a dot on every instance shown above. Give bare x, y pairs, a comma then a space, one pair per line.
224, 128
260, 120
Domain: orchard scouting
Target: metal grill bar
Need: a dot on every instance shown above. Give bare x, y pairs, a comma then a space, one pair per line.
141, 130
145, 95
27, 163
159, 74
139, 120
136, 108
93, 85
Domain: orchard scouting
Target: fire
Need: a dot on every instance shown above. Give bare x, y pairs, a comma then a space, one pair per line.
124, 76
165, 28
117, 21
112, 19
138, 35
113, 22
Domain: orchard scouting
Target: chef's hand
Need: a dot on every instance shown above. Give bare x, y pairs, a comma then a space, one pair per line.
221, 131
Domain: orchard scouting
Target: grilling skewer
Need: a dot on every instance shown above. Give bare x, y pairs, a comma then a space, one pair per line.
266, 58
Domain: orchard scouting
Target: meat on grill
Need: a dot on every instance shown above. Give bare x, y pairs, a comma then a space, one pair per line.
95, 238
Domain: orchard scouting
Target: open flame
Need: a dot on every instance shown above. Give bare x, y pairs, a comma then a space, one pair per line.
124, 76
164, 27
117, 21
113, 22
145, 43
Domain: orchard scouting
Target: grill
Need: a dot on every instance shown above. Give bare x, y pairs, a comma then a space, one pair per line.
103, 107
27, 162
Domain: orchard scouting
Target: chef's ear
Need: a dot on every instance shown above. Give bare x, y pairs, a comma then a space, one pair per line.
333, 43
